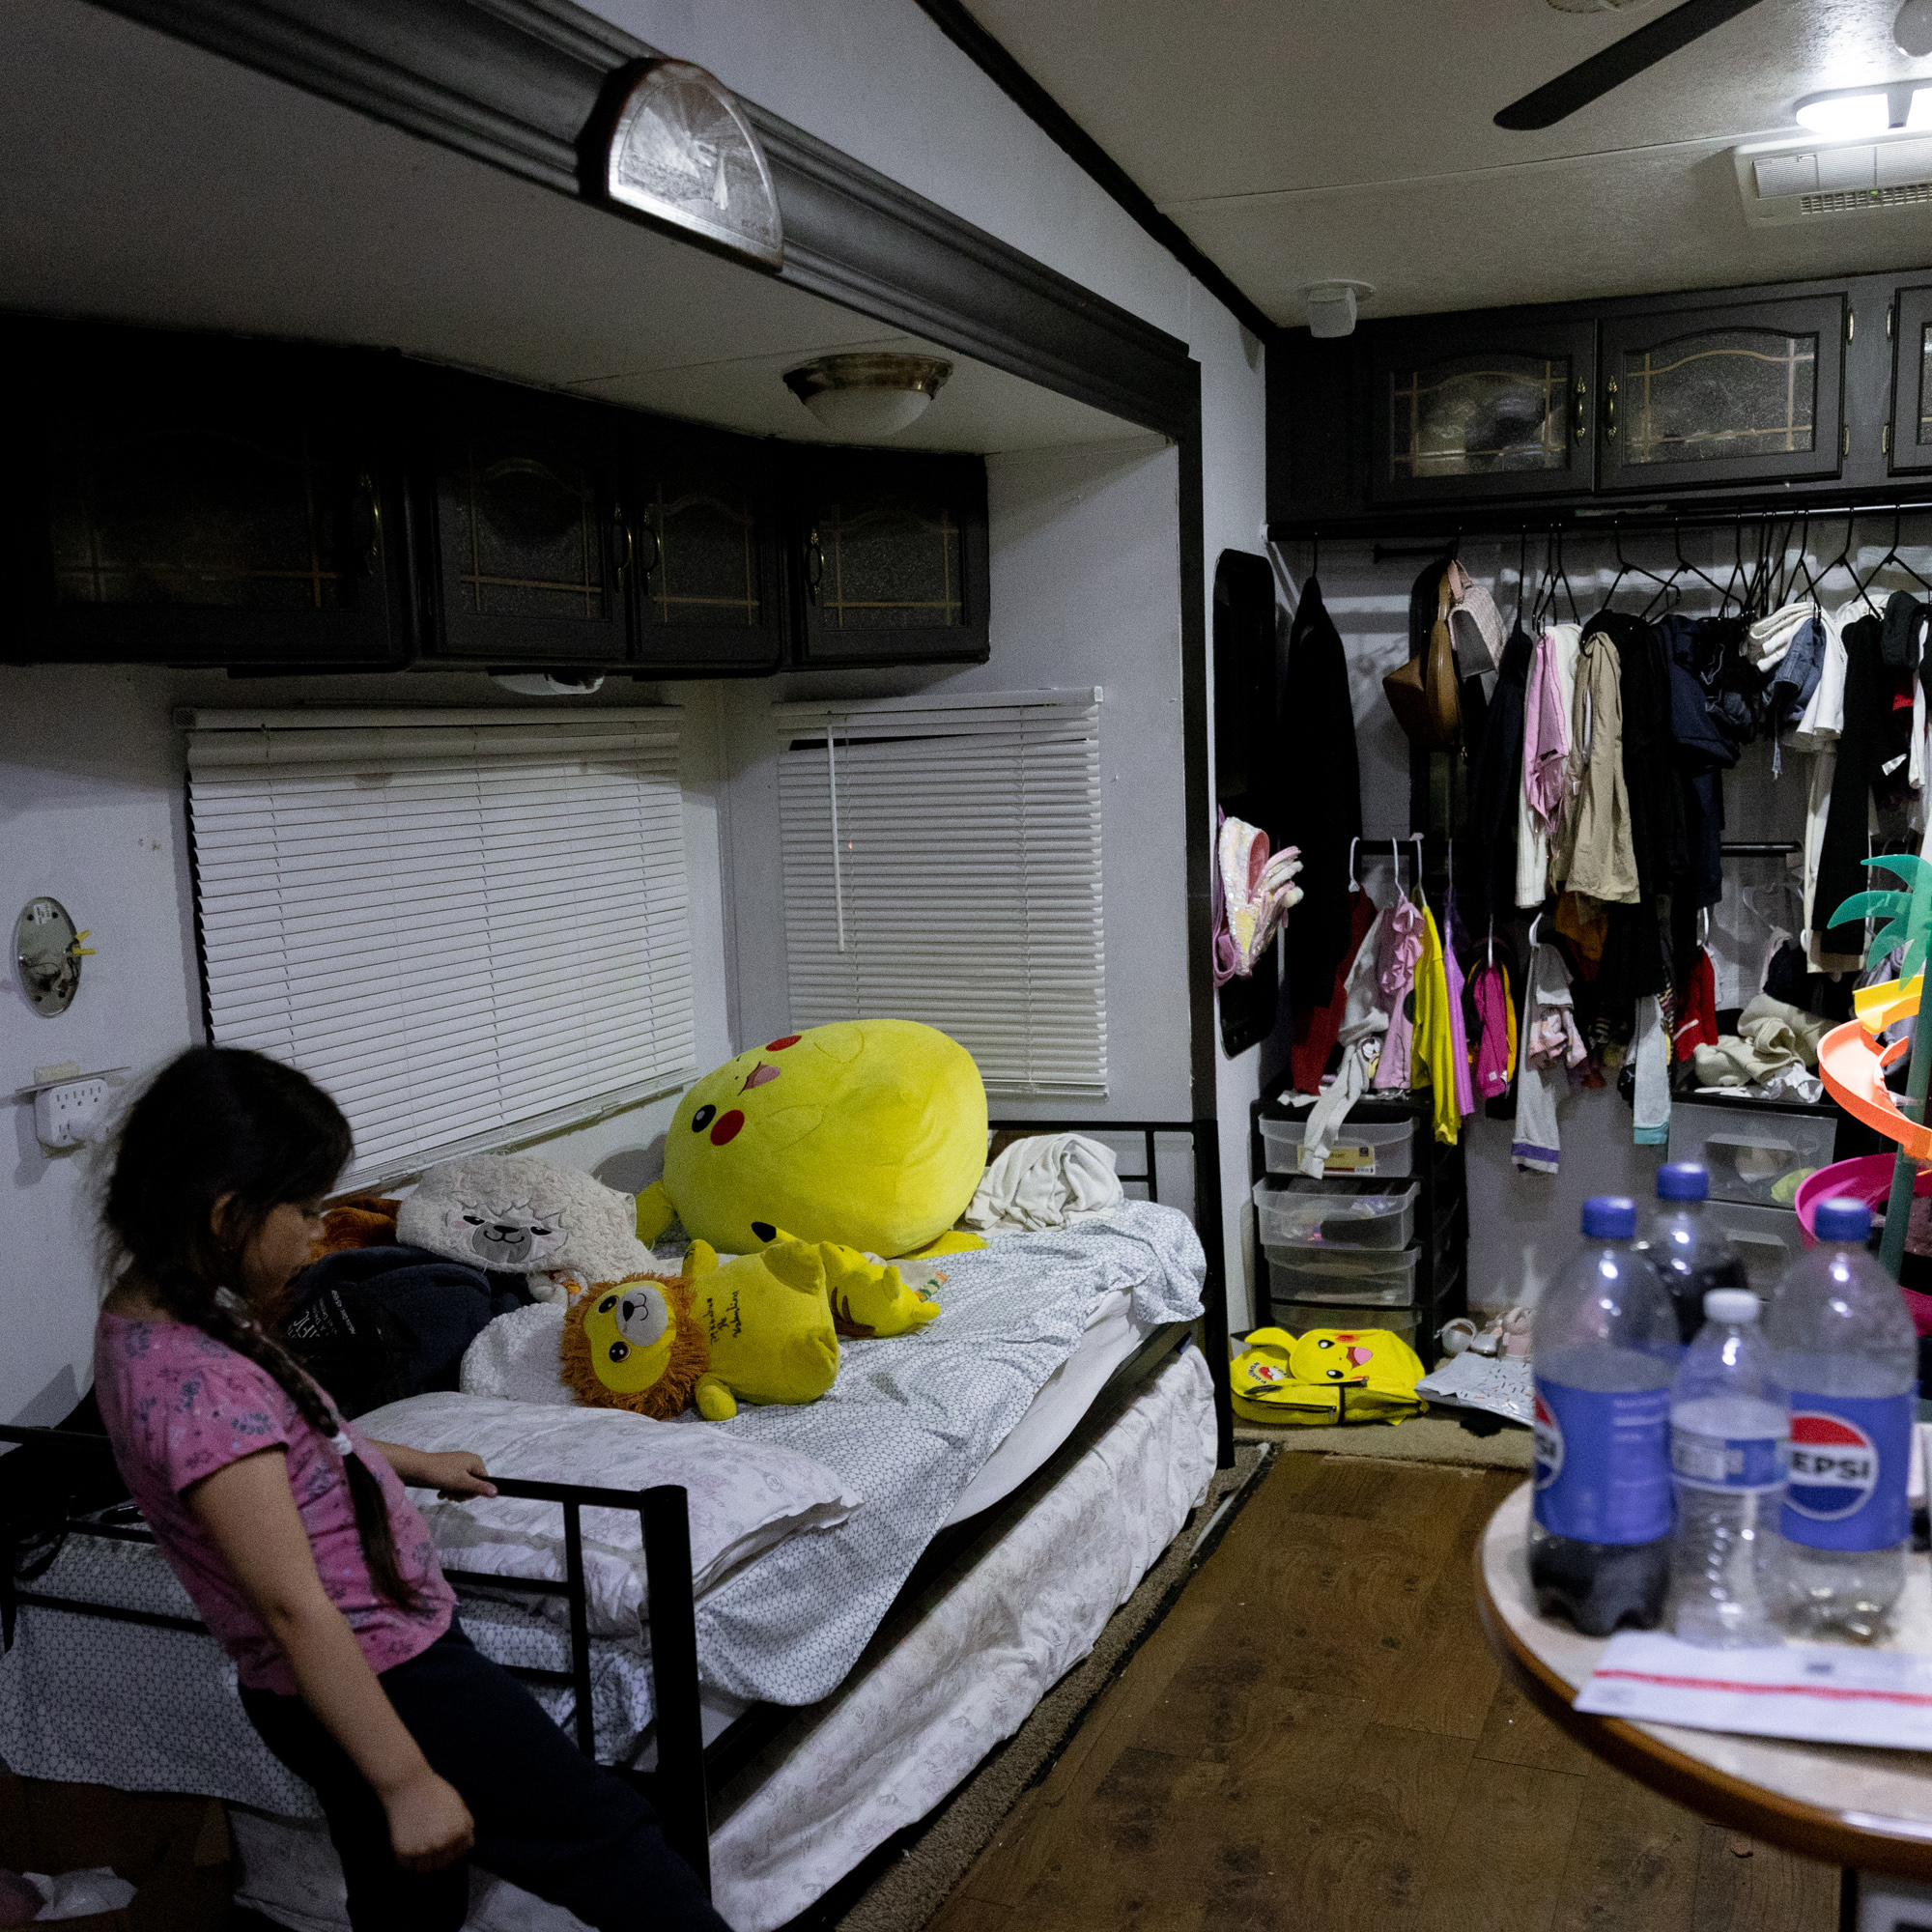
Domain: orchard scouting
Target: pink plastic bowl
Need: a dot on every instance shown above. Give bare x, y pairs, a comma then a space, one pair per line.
1867, 1179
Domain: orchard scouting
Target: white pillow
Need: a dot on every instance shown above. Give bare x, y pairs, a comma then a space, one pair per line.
743, 1495
520, 1354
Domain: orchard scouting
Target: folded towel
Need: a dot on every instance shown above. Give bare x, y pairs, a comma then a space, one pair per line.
1042, 1182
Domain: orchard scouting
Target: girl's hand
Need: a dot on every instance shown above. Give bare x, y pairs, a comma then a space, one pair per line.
454, 1473
430, 1826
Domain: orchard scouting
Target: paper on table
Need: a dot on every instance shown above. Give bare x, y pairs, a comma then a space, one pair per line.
1814, 1691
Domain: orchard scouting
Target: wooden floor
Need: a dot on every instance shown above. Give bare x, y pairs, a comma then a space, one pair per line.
1316, 1739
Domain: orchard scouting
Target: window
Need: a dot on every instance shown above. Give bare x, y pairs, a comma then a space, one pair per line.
941, 863
469, 927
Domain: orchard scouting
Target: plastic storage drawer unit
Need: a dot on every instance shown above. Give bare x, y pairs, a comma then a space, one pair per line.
1300, 1316
1752, 1155
1361, 1277
1768, 1239
1361, 1147
1305, 1215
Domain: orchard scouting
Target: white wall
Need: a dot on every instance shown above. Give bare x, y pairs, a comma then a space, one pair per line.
92, 812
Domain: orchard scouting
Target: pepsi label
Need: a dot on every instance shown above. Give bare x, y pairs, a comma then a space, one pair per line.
1602, 1463
1848, 1471
1752, 1464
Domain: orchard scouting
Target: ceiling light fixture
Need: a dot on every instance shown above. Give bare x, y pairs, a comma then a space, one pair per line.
1332, 305
1847, 115
867, 397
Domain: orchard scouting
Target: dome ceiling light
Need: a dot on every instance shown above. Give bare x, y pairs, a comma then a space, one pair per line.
866, 398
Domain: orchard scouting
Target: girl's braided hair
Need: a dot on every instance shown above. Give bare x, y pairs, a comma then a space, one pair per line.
218, 1123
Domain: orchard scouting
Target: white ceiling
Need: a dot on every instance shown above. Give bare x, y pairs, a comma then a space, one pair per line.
145, 180
1299, 142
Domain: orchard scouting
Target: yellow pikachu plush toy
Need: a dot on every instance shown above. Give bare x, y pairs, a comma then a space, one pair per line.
869, 1133
762, 1328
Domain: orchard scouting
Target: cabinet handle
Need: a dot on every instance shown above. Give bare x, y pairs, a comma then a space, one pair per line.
623, 546
1582, 422
1611, 408
369, 548
814, 566
649, 570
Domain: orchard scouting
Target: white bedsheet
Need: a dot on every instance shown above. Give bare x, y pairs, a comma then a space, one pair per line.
933, 1695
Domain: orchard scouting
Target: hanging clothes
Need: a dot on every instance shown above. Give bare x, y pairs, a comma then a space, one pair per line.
1550, 1045
1594, 854
1548, 700
1849, 820
1703, 754
1490, 993
1399, 954
1698, 1018
1495, 789
1651, 1101
1452, 968
1433, 1049
1320, 792
1787, 648
1317, 1029
1364, 1022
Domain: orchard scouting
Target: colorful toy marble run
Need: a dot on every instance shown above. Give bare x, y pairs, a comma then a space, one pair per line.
1851, 1061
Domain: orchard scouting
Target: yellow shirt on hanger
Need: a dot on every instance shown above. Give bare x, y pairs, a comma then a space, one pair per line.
1433, 1052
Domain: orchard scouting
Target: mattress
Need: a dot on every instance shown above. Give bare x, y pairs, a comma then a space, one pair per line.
939, 1687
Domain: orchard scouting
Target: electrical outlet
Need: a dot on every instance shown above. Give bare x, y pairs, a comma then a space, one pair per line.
71, 1114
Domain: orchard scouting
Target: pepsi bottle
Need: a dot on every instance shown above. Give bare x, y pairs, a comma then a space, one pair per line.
1692, 1253
1847, 1351
1603, 1343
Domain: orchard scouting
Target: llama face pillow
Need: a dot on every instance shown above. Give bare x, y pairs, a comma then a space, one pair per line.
520, 1214
869, 1133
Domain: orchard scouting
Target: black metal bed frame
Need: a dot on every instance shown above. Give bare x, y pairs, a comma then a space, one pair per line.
687, 1771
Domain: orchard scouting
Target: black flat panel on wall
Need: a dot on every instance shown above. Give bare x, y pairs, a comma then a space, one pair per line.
890, 552
519, 564
1748, 392
701, 548
200, 501
1473, 410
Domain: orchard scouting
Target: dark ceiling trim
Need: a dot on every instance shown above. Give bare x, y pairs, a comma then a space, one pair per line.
1039, 107
524, 86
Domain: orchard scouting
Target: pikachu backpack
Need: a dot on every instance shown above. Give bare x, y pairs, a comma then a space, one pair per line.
1327, 1376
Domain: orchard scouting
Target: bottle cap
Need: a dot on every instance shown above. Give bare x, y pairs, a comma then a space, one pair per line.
1609, 1217
1842, 1220
1731, 1304
1682, 1180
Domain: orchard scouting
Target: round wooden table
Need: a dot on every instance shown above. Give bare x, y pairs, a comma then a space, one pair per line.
1865, 1811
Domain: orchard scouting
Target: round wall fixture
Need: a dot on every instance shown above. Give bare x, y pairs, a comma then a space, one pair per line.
47, 954
866, 398
1912, 29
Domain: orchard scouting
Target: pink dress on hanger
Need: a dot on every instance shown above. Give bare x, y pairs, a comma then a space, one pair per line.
1399, 955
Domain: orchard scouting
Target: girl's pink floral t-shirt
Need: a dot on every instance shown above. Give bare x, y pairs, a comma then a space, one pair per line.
177, 1404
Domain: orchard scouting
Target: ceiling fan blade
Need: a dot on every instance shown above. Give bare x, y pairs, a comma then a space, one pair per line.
1621, 61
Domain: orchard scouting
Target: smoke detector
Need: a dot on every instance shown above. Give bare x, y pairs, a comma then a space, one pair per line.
1331, 306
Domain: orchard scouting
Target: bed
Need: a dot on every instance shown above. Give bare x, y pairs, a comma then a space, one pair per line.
789, 1719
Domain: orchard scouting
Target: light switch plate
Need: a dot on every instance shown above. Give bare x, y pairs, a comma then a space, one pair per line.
71, 1114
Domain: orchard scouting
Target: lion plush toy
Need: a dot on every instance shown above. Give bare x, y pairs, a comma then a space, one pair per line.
867, 1133
763, 1328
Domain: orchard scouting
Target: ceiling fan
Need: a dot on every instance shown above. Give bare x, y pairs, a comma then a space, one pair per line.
1623, 59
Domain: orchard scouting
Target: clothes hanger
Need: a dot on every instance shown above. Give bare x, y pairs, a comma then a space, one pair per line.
1521, 569
1731, 591
1354, 884
1421, 897
1842, 561
1561, 576
1892, 557
1683, 562
1624, 564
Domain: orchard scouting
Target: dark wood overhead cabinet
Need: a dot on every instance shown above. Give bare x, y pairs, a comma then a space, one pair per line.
1909, 433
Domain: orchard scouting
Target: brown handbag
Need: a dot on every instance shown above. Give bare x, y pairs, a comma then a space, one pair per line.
1423, 694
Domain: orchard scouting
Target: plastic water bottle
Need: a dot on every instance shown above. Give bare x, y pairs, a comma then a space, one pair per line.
1693, 1254
1847, 1352
1730, 1435
1603, 1343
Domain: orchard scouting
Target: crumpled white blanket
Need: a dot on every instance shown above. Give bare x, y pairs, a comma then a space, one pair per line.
1042, 1182
1773, 1045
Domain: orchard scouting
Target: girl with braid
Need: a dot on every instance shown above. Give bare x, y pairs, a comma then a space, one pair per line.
290, 1529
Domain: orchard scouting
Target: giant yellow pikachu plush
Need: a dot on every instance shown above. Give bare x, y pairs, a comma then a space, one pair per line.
869, 1133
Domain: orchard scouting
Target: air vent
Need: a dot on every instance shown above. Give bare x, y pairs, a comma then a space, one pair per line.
1795, 182
1862, 199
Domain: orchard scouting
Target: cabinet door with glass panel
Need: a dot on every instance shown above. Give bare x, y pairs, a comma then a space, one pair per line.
525, 548
1910, 436
1480, 410
891, 550
1750, 392
200, 501
699, 527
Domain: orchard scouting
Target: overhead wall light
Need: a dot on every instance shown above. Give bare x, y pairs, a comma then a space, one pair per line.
867, 397
1857, 113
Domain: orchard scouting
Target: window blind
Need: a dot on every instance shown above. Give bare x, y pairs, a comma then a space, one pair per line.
941, 863
469, 927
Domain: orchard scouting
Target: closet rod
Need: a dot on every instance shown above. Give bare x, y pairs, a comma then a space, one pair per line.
1605, 523
1759, 848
